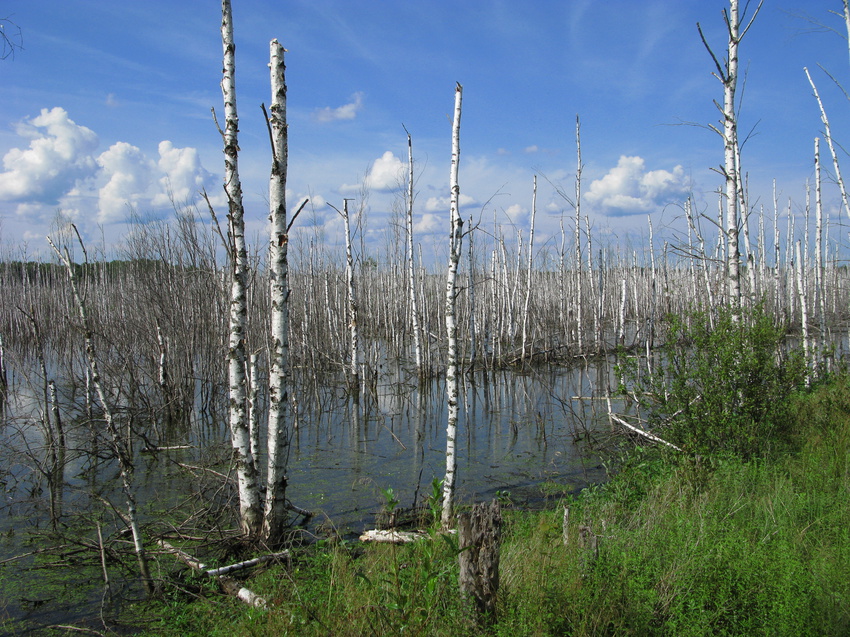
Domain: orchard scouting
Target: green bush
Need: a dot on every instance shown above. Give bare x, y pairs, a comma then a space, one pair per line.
723, 389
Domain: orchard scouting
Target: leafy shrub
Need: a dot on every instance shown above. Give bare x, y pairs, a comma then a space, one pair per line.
724, 390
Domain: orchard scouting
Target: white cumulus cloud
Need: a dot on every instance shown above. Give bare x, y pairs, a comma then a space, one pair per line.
629, 188
441, 204
517, 214
59, 155
429, 223
386, 172
385, 175
61, 167
183, 176
129, 177
344, 112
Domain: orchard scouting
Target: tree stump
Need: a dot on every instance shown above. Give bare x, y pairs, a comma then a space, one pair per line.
479, 537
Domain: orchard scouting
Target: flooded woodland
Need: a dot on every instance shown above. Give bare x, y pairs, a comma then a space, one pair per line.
538, 339
194, 386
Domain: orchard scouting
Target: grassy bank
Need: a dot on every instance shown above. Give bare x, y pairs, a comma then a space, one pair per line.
721, 546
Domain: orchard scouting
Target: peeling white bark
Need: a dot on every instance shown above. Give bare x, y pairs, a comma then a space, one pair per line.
279, 373
529, 269
354, 345
727, 73
455, 240
246, 471
411, 271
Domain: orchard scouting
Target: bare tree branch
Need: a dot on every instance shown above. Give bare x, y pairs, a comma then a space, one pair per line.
11, 39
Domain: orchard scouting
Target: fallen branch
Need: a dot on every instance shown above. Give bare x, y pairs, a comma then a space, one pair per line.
36, 552
296, 509
217, 572
75, 629
641, 432
393, 537
398, 537
232, 587
228, 584
183, 556
156, 449
207, 469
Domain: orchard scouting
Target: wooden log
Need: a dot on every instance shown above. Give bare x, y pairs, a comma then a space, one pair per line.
480, 537
183, 556
641, 432
228, 584
302, 512
156, 449
391, 536
230, 568
233, 587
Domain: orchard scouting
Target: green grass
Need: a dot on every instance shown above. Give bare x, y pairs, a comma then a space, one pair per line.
711, 546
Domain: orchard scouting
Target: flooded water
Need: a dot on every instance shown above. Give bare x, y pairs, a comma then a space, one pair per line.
517, 441
516, 433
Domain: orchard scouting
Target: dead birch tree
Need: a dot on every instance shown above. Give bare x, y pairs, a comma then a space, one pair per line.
578, 261
354, 373
411, 270
274, 519
804, 313
455, 241
827, 134
120, 446
529, 269
727, 73
250, 512
819, 267
353, 376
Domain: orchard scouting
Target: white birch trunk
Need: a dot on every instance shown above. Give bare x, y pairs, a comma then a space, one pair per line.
578, 262
3, 376
253, 410
703, 259
354, 346
594, 301
163, 373
730, 167
827, 133
529, 270
411, 271
246, 471
455, 240
819, 268
789, 284
274, 519
650, 332
804, 314
621, 333
727, 73
119, 445
473, 341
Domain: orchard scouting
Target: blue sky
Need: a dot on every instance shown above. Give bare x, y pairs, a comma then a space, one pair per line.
107, 107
